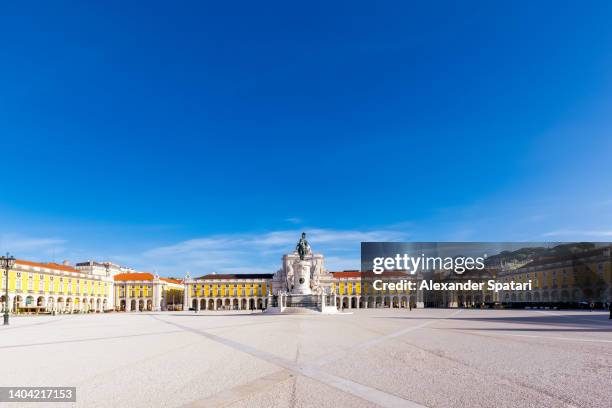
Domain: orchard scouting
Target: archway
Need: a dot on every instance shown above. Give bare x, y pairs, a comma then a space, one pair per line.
354, 302
149, 305
251, 304
17, 301
202, 304
29, 302
554, 296
60, 304
259, 304
133, 305
211, 304
565, 296
235, 304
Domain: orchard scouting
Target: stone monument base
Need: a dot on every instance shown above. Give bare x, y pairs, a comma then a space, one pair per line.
301, 304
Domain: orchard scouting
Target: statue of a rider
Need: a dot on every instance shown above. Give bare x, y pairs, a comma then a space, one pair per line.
302, 247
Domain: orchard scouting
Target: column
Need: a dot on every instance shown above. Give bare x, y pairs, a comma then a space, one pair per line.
128, 300
420, 301
110, 294
187, 293
157, 294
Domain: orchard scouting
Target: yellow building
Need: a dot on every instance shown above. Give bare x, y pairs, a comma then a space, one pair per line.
228, 292
352, 293
140, 291
254, 291
567, 280
49, 287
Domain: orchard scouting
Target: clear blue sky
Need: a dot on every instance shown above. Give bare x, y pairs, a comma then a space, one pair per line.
204, 137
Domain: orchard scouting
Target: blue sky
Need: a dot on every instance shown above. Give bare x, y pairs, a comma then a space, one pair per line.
205, 137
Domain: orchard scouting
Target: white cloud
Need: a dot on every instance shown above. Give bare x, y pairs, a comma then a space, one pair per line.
30, 247
596, 234
255, 253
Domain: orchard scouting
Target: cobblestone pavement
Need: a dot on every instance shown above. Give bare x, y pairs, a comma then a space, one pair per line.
390, 358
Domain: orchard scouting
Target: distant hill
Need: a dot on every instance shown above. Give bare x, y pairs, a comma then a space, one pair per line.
524, 255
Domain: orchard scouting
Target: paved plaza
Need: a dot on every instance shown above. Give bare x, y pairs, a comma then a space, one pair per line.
376, 357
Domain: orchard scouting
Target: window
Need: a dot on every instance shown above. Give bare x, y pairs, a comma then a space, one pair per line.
18, 281
30, 282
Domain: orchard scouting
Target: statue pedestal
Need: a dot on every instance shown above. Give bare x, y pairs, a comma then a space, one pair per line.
301, 277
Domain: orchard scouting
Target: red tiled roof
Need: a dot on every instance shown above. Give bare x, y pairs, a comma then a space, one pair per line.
358, 274
50, 265
214, 276
347, 274
172, 280
140, 276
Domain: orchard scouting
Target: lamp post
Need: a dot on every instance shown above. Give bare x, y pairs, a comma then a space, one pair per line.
6, 262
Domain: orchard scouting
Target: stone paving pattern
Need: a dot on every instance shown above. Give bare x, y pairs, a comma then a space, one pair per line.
374, 357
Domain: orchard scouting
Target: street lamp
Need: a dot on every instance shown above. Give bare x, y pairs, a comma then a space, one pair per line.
6, 262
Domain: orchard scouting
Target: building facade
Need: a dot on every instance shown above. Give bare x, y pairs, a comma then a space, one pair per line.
565, 281
228, 292
254, 292
574, 280
142, 291
50, 287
